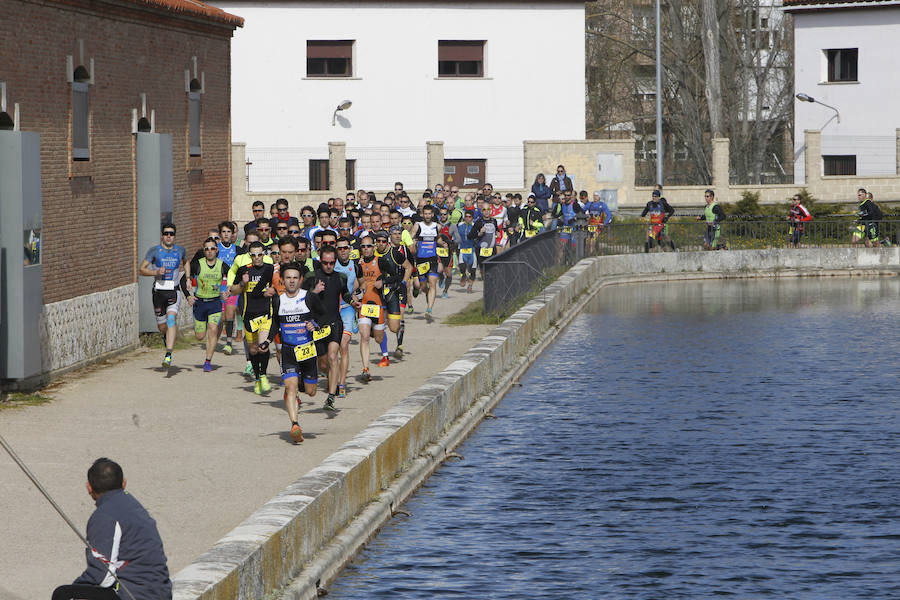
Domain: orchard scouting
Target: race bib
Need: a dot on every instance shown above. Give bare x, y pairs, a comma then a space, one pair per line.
164, 285
372, 311
486, 252
465, 250
592, 228
321, 333
305, 351
530, 233
422, 268
259, 322
354, 254
567, 229
443, 252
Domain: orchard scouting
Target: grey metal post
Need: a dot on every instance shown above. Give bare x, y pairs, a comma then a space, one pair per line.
659, 92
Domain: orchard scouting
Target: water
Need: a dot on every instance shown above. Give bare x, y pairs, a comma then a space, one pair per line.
681, 440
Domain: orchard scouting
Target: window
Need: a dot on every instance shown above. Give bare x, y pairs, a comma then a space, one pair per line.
840, 164
643, 22
194, 118
332, 58
318, 175
81, 115
645, 147
842, 64
460, 58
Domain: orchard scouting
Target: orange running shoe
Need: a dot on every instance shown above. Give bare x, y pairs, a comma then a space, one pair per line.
385, 362
296, 433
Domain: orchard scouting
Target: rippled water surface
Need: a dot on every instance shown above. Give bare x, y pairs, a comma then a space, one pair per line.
683, 440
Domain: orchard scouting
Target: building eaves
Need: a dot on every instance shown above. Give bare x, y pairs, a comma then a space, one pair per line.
191, 8
800, 5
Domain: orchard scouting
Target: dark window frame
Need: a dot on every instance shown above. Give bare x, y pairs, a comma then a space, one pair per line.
843, 64
461, 59
839, 165
318, 174
330, 58
81, 121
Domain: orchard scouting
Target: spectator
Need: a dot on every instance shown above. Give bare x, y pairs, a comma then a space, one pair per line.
561, 183
541, 192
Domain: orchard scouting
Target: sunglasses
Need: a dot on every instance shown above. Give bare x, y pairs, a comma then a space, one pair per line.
168, 233
367, 245
326, 262
307, 216
293, 231
282, 210
210, 249
343, 229
257, 254
259, 210
264, 229
343, 247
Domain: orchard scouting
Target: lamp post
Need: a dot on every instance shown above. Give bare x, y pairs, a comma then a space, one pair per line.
807, 98
659, 138
342, 106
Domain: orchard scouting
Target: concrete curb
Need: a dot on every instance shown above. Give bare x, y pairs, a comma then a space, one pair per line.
307, 533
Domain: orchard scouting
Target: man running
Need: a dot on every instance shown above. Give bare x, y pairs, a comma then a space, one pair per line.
797, 216
256, 311
165, 263
713, 215
295, 320
426, 256
206, 299
869, 214
228, 251
397, 269
466, 250
659, 212
350, 269
371, 311
328, 336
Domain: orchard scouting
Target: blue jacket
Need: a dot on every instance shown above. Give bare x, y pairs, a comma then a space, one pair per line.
124, 538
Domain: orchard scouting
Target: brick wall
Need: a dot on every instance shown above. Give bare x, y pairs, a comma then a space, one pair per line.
89, 221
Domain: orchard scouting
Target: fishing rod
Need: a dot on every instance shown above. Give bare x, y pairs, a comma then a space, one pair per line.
84, 540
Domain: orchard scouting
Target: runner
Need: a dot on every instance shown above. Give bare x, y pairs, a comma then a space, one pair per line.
713, 215
165, 263
371, 311
351, 270
256, 310
207, 297
406, 238
426, 256
531, 218
295, 320
660, 213
869, 214
328, 336
241, 260
228, 251
397, 269
797, 216
466, 249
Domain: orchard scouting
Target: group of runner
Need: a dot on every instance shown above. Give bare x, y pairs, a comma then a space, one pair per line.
303, 286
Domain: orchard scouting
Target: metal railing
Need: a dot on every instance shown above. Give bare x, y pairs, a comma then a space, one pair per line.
515, 272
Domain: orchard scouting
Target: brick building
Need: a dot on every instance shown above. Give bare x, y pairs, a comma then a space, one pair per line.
88, 75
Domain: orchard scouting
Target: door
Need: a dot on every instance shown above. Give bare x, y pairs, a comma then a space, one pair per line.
465, 173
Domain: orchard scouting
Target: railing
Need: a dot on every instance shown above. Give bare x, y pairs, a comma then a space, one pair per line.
516, 271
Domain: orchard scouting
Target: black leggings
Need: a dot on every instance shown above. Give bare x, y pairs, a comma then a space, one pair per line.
84, 592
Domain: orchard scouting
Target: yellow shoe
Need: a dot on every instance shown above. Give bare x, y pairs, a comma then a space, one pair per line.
264, 383
257, 388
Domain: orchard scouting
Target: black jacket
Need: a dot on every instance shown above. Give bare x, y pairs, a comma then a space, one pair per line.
124, 538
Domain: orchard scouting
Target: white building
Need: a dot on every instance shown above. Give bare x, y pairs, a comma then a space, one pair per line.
481, 76
844, 56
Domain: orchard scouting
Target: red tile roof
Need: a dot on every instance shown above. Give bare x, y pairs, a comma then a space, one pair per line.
848, 3
195, 9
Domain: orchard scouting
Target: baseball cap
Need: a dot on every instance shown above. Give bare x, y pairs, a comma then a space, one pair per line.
381, 235
395, 229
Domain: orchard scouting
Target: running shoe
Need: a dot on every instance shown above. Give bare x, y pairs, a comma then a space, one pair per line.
227, 350
296, 433
462, 282
257, 388
342, 391
444, 295
264, 383
366, 376
248, 370
385, 362
207, 367
167, 361
329, 402
398, 353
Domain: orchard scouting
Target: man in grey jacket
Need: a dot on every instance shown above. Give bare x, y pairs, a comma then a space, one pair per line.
126, 554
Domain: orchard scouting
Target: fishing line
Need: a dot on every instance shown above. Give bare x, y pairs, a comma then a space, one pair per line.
84, 540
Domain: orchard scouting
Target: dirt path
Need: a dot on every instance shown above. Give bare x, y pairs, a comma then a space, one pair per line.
199, 450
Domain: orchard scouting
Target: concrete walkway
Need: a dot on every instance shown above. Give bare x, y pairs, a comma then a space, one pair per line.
199, 450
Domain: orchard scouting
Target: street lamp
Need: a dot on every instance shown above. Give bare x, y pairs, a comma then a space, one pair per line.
342, 106
807, 98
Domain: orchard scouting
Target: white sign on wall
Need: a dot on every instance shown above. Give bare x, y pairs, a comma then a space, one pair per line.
609, 166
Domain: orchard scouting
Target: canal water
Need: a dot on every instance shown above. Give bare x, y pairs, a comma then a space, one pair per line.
678, 440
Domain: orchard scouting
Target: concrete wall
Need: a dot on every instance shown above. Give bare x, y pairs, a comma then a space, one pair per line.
399, 101
292, 534
868, 119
